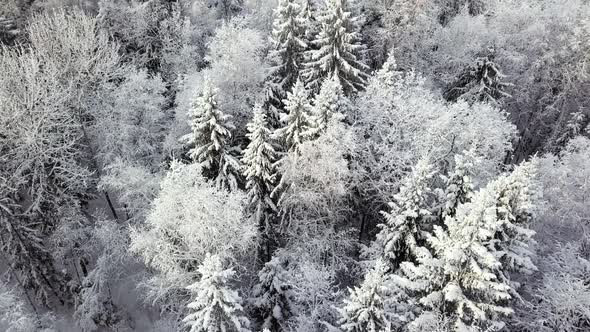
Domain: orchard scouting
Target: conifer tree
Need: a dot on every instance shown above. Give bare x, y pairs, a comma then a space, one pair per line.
515, 199
307, 15
481, 82
216, 307
461, 278
289, 44
258, 160
210, 136
339, 50
458, 185
366, 309
403, 234
272, 295
298, 120
388, 74
329, 102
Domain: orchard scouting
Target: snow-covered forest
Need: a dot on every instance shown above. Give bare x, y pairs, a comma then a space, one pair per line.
295, 165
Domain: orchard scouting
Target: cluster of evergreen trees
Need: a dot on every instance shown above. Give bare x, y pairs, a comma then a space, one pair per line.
278, 165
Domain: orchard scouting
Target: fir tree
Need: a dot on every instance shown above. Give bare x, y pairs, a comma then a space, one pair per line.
329, 102
211, 132
403, 234
272, 295
339, 50
216, 306
258, 160
298, 120
289, 44
366, 308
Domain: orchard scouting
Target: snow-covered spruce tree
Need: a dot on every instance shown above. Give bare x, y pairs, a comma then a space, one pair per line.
481, 82
330, 101
516, 195
210, 138
458, 185
298, 120
366, 309
307, 14
339, 49
216, 307
461, 279
288, 46
403, 234
272, 298
258, 167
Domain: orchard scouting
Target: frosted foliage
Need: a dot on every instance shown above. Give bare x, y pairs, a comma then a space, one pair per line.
432, 322
188, 219
136, 186
45, 89
562, 301
95, 307
130, 122
236, 68
15, 316
565, 179
317, 179
216, 307
402, 121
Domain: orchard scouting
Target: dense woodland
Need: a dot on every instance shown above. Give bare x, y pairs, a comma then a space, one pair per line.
295, 165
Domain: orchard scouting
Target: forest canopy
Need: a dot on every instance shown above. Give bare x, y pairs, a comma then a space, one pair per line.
295, 165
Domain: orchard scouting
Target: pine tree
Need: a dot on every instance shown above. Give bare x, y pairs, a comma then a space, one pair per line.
211, 132
462, 279
299, 120
329, 102
289, 44
403, 234
258, 160
272, 295
216, 306
366, 308
339, 50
